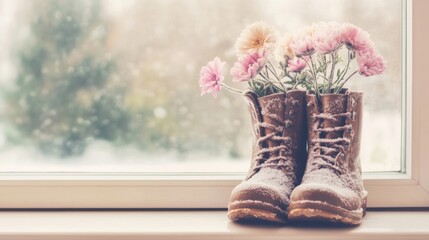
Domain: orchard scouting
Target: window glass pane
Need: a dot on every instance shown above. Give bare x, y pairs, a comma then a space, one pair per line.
113, 85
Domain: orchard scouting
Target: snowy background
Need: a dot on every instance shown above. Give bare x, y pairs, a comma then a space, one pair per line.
96, 86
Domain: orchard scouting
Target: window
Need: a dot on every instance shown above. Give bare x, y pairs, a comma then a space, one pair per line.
111, 86
100, 100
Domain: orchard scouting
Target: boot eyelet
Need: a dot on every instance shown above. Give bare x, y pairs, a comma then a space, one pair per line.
288, 124
295, 103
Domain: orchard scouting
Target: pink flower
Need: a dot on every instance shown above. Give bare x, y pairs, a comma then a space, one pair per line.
370, 63
356, 39
248, 66
328, 38
256, 36
302, 45
295, 64
211, 77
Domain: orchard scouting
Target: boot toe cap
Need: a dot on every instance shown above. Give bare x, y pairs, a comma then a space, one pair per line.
257, 194
327, 194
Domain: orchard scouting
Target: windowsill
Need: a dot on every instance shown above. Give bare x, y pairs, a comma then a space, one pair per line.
126, 225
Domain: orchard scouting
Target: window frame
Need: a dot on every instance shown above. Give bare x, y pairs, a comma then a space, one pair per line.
409, 188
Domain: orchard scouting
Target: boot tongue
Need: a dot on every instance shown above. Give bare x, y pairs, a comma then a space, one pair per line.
272, 109
333, 104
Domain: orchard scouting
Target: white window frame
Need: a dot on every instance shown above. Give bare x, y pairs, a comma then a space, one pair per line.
402, 189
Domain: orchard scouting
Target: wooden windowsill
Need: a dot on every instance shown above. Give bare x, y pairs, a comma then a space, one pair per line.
126, 225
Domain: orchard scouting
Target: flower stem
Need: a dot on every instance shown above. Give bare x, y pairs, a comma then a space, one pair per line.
295, 85
323, 60
340, 86
347, 66
315, 76
273, 71
331, 75
251, 84
312, 73
231, 89
266, 72
273, 68
264, 77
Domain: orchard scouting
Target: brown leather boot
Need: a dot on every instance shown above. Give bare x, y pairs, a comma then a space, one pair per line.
278, 159
331, 188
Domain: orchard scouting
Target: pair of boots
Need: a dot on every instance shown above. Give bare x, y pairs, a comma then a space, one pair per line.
305, 162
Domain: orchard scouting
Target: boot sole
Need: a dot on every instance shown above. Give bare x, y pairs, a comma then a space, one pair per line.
314, 211
256, 211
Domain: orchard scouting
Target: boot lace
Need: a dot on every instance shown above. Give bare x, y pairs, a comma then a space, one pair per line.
278, 160
330, 148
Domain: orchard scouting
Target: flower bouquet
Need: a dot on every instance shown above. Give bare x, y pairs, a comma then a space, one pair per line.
312, 59
305, 162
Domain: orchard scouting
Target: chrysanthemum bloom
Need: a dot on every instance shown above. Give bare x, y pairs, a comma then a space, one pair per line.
311, 29
248, 66
328, 38
370, 64
211, 77
295, 64
303, 45
256, 36
284, 50
356, 38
